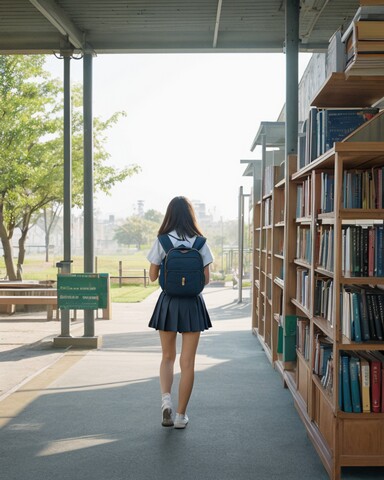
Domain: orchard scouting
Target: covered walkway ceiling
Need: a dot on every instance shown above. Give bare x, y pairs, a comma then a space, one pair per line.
125, 26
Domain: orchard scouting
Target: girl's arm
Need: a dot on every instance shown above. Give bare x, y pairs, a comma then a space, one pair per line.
153, 272
206, 274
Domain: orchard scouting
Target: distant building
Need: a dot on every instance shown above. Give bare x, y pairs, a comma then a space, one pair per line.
203, 217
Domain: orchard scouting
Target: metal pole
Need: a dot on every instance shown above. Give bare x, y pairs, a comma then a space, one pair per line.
89, 317
241, 244
291, 102
292, 9
67, 206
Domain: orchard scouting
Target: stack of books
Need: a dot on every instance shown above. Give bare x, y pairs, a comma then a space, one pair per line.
365, 48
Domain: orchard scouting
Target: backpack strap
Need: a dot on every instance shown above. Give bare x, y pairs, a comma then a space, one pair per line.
199, 242
165, 242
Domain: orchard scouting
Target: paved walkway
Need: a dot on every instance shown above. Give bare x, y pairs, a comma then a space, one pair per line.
96, 414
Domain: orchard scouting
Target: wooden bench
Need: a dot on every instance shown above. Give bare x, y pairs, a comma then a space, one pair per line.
49, 300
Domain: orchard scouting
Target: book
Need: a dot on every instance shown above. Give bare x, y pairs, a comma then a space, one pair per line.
354, 367
375, 379
365, 385
364, 322
356, 325
346, 384
372, 297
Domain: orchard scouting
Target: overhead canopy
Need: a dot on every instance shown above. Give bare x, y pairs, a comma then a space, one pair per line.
124, 26
274, 133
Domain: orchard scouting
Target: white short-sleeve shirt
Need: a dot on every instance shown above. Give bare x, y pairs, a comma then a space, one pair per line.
157, 253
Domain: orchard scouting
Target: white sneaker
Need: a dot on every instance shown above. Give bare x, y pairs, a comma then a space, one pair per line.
166, 409
181, 420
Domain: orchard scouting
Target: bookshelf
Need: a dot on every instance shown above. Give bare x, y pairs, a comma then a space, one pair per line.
321, 248
268, 243
324, 279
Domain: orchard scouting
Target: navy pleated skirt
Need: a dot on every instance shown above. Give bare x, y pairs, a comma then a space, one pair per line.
180, 314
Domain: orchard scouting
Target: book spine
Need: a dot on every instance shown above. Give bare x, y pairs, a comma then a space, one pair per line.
355, 385
375, 367
365, 333
347, 399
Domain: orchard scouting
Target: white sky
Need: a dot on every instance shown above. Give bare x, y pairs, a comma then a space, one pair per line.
190, 119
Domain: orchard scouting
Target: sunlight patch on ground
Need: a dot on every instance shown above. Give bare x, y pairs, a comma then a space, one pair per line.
71, 444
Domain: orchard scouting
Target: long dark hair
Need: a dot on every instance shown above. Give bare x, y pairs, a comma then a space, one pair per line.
180, 216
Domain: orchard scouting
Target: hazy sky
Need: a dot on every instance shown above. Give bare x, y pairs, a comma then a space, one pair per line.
190, 119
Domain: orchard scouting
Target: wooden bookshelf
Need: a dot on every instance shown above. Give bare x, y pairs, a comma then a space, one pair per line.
341, 91
340, 438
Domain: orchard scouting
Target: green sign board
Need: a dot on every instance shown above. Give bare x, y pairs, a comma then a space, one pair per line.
82, 291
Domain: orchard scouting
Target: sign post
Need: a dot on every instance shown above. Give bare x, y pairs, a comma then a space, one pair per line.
82, 291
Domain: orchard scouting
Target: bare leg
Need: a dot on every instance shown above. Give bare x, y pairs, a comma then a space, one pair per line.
168, 346
187, 366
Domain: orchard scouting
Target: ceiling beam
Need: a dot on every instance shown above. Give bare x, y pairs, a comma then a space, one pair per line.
217, 23
60, 20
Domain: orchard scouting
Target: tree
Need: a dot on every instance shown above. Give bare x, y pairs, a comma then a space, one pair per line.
31, 150
153, 216
136, 231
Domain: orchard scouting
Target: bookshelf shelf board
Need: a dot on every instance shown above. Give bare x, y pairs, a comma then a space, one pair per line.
269, 275
257, 284
324, 326
276, 317
304, 220
323, 271
278, 255
269, 300
280, 224
353, 91
302, 263
355, 155
267, 227
362, 280
267, 195
280, 184
279, 282
347, 344
361, 214
301, 307
257, 229
328, 217
361, 416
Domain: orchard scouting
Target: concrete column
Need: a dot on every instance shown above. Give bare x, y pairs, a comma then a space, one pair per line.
67, 207
89, 316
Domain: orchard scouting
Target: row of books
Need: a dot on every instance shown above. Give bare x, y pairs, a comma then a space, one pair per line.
302, 336
325, 235
364, 48
303, 199
323, 299
361, 382
268, 212
363, 188
327, 192
302, 287
323, 360
362, 313
324, 127
269, 178
304, 243
363, 250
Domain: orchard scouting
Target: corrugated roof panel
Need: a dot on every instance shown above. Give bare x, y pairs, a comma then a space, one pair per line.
174, 25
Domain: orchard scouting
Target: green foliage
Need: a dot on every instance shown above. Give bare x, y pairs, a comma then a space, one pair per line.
31, 149
136, 231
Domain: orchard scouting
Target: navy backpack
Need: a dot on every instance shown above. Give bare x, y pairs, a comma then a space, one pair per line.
182, 270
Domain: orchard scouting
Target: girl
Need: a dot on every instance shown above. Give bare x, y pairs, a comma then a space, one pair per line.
186, 315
